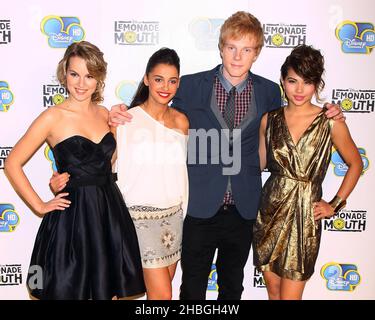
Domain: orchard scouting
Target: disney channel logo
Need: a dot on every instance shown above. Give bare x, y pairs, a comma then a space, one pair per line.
135, 33
258, 281
212, 280
125, 91
9, 218
48, 154
356, 37
278, 35
10, 275
340, 276
5, 32
346, 221
357, 101
6, 96
206, 32
53, 94
4, 152
62, 31
340, 167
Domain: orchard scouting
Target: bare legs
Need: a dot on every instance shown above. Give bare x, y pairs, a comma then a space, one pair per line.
283, 289
159, 282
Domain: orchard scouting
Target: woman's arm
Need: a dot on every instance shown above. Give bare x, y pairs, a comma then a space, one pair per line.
25, 148
262, 142
348, 150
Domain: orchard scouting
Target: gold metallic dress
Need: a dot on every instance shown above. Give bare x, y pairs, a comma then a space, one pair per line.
286, 237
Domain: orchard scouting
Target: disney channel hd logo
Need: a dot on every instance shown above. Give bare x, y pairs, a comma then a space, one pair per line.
346, 221
6, 96
9, 218
4, 152
212, 279
62, 31
279, 35
10, 275
5, 32
340, 167
136, 33
125, 91
357, 101
48, 154
340, 276
356, 37
206, 32
53, 94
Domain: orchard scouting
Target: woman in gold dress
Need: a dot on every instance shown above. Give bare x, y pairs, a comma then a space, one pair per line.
295, 145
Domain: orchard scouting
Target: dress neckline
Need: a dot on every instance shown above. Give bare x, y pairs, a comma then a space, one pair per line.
83, 137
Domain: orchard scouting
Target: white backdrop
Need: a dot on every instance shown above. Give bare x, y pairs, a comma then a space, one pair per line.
128, 32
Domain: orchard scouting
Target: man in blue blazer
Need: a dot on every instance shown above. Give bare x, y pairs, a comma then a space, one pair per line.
224, 194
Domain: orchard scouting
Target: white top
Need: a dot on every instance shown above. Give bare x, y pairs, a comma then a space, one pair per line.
151, 163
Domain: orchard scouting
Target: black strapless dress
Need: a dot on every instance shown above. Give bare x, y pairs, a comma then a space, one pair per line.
90, 250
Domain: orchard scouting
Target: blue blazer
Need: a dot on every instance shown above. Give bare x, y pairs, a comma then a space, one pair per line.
207, 184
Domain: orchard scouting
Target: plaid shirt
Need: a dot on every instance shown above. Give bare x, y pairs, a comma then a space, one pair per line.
242, 104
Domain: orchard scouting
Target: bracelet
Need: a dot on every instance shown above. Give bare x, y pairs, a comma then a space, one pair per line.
337, 203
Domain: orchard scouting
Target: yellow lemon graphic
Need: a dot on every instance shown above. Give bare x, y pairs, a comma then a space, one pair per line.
58, 98
346, 104
130, 36
339, 224
277, 39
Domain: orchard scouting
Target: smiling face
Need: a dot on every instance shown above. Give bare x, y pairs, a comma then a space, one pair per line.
298, 91
162, 81
238, 56
79, 82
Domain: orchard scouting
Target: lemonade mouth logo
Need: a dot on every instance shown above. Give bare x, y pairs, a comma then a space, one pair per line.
346, 221
48, 154
206, 32
9, 218
340, 276
284, 35
5, 32
258, 281
10, 275
356, 37
212, 280
53, 94
6, 96
125, 91
358, 101
62, 31
4, 152
135, 33
340, 167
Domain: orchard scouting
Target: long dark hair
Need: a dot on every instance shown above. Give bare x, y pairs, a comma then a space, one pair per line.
162, 56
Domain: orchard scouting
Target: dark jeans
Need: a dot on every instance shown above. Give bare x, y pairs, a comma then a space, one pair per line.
228, 232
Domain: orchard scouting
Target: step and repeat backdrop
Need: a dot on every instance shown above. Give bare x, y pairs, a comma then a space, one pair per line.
33, 38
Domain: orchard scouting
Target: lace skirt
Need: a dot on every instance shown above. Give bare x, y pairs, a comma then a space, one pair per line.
159, 232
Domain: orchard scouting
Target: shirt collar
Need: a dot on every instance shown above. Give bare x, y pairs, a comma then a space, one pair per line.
227, 85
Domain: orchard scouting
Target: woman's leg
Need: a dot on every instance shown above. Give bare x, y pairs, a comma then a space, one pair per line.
291, 289
159, 282
273, 284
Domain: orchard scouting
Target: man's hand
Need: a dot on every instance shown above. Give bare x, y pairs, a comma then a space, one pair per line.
334, 112
58, 181
119, 115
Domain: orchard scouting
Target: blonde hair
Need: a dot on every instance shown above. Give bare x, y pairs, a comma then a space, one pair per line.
95, 63
241, 24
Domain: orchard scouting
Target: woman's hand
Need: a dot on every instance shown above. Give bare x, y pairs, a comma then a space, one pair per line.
58, 181
57, 203
322, 210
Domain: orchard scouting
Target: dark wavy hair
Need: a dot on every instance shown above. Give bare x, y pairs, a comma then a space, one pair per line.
308, 63
162, 56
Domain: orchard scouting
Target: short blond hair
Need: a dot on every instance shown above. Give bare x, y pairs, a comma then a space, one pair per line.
96, 65
242, 24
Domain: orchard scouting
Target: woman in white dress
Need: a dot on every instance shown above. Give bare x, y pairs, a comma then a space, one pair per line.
152, 172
